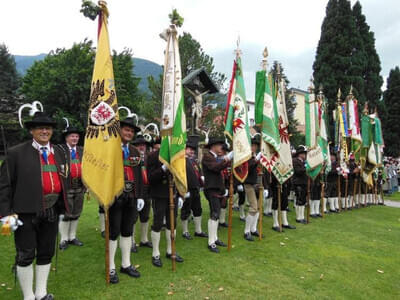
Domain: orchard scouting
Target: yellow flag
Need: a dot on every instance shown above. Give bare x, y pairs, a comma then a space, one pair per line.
102, 165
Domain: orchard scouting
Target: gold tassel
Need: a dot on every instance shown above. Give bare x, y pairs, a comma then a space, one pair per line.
6, 229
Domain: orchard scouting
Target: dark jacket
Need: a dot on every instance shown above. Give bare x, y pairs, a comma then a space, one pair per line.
252, 173
157, 177
333, 174
21, 191
67, 157
134, 156
212, 172
300, 175
193, 180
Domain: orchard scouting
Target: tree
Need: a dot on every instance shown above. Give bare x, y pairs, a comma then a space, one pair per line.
390, 121
372, 79
62, 82
9, 78
340, 58
296, 138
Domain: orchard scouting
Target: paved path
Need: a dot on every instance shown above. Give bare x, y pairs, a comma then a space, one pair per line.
392, 203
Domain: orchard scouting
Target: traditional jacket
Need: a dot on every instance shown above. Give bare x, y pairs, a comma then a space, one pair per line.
132, 171
158, 179
252, 173
193, 174
299, 176
23, 178
212, 172
74, 171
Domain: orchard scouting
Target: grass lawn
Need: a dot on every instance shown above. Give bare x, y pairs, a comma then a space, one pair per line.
333, 258
393, 197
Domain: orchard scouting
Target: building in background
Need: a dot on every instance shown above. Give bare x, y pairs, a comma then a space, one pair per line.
298, 96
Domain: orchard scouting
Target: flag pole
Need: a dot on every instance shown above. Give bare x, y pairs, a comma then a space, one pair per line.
279, 207
260, 199
308, 199
230, 210
323, 193
354, 191
346, 190
172, 219
107, 241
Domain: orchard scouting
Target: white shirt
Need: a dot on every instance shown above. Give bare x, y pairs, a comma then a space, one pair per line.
215, 155
39, 147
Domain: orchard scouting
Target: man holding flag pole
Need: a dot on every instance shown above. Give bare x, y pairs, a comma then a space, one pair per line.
237, 129
102, 158
173, 144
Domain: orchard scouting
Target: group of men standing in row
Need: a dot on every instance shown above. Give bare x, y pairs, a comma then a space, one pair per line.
41, 193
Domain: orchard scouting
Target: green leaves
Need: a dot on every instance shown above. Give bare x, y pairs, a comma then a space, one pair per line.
90, 9
175, 18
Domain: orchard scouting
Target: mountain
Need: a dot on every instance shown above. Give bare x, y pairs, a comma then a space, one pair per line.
142, 68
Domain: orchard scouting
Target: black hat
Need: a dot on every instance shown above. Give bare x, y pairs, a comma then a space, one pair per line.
40, 119
70, 130
301, 149
256, 140
192, 142
130, 123
140, 140
215, 140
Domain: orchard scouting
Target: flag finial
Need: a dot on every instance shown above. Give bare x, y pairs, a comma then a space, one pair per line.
238, 52
311, 88
351, 89
264, 63
339, 94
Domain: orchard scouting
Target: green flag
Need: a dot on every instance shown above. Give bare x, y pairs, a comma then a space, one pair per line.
266, 117
173, 120
236, 122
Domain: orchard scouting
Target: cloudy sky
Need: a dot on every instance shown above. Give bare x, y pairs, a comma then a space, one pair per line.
289, 28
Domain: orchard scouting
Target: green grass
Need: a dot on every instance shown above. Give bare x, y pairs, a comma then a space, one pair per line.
332, 258
393, 197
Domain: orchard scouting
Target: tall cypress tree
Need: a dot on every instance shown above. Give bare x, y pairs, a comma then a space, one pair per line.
340, 59
390, 121
372, 80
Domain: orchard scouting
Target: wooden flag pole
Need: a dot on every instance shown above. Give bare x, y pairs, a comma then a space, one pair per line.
107, 241
339, 193
346, 190
279, 207
230, 210
172, 220
355, 182
366, 195
308, 199
260, 200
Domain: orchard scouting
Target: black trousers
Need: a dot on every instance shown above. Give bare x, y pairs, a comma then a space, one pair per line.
284, 197
193, 203
315, 190
242, 197
214, 201
144, 214
331, 189
35, 238
122, 214
300, 191
160, 210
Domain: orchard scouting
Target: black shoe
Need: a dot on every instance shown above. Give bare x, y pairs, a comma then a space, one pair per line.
277, 229
235, 208
103, 234
319, 215
75, 242
134, 249
247, 236
333, 211
147, 244
63, 245
242, 219
213, 248
313, 216
114, 277
131, 271
48, 297
186, 235
223, 225
177, 257
288, 226
201, 234
156, 261
298, 221
220, 243
255, 233
303, 221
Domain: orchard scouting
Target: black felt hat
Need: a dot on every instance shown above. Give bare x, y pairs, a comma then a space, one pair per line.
140, 140
215, 140
130, 123
301, 149
38, 119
